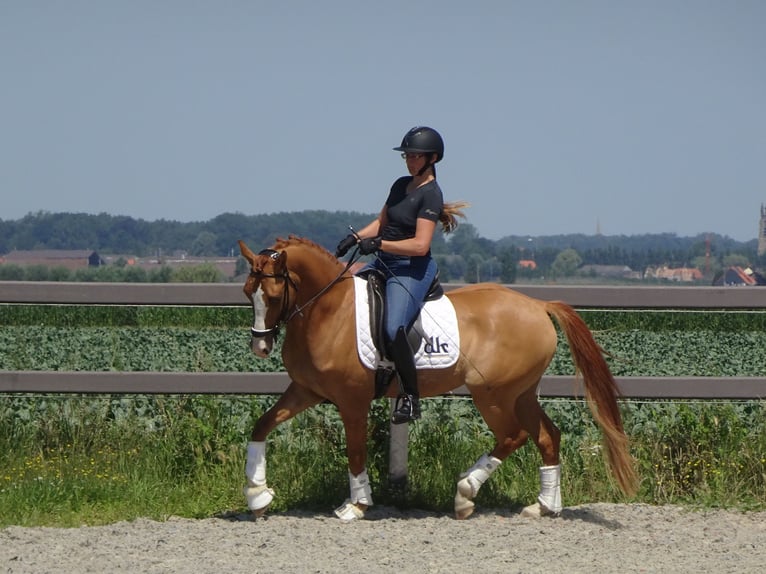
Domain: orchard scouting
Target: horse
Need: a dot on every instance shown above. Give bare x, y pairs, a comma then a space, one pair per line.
507, 340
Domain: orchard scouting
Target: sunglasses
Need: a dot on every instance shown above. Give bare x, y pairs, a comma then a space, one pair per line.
406, 155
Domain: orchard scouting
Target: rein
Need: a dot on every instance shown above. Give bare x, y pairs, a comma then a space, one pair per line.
286, 315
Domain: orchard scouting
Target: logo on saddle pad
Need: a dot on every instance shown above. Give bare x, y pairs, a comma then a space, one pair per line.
437, 325
431, 347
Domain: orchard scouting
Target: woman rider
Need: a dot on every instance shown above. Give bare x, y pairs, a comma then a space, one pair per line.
401, 234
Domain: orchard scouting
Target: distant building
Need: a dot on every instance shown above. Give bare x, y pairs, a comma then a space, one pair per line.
69, 259
226, 265
736, 276
609, 271
681, 274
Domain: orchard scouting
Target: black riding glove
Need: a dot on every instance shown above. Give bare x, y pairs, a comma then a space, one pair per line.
369, 245
347, 243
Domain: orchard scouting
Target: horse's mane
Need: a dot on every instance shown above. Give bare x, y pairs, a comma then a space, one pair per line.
291, 240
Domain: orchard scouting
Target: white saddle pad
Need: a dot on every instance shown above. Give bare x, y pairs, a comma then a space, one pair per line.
438, 326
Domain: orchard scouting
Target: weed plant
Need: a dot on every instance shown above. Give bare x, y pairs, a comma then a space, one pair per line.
72, 460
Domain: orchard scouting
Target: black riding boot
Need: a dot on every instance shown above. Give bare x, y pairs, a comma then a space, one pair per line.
407, 406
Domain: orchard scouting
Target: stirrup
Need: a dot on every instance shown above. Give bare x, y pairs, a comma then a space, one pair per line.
406, 409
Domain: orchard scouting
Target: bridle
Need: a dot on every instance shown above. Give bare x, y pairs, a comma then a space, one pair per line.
285, 315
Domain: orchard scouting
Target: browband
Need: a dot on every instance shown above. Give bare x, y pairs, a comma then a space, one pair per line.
270, 252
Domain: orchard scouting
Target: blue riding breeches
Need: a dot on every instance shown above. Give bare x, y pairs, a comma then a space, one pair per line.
407, 282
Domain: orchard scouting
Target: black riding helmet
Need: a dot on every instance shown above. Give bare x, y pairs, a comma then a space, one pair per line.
421, 139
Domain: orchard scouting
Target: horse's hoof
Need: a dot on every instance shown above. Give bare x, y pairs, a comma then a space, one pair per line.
464, 507
532, 511
537, 510
258, 498
349, 512
467, 488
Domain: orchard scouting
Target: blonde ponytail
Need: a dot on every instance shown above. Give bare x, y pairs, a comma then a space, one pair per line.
450, 212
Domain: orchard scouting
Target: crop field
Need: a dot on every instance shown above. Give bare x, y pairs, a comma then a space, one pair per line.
647, 343
68, 459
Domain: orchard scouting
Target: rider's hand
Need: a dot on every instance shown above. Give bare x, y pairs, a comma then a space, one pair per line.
369, 245
347, 243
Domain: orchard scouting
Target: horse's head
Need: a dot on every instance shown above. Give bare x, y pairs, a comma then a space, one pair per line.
271, 290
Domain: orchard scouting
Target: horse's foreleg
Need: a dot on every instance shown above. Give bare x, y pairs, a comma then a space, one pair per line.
294, 400
257, 493
360, 492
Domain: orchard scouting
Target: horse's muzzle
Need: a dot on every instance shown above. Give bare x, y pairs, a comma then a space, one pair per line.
261, 346
262, 340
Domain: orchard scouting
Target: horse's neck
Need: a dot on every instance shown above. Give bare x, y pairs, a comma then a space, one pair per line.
313, 272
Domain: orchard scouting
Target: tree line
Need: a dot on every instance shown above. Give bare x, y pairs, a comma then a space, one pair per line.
463, 255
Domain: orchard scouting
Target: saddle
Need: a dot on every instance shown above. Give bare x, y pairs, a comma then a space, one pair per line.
376, 294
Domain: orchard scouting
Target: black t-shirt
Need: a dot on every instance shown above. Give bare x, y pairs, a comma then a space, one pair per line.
404, 209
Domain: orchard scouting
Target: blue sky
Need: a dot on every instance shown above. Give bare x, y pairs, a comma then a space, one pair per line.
559, 116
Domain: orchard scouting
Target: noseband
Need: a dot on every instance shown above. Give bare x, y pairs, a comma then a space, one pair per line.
283, 315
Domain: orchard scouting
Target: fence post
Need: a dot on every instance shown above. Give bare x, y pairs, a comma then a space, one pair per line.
397, 453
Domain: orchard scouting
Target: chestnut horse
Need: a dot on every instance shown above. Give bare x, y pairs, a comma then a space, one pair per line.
507, 340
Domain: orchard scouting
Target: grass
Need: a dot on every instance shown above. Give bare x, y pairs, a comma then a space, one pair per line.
72, 460
68, 461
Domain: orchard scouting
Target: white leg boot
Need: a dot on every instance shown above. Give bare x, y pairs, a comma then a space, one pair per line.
258, 495
470, 483
361, 498
549, 500
550, 489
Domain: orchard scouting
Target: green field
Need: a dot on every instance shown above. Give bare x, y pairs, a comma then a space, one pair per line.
69, 460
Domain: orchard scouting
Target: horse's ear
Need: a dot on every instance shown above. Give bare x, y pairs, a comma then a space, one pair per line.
246, 253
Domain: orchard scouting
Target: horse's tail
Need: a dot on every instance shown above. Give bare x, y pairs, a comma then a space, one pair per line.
601, 392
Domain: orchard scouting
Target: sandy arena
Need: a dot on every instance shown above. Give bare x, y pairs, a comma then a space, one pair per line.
594, 538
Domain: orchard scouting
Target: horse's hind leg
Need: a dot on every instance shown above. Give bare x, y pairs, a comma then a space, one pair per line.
498, 412
547, 437
294, 400
513, 420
